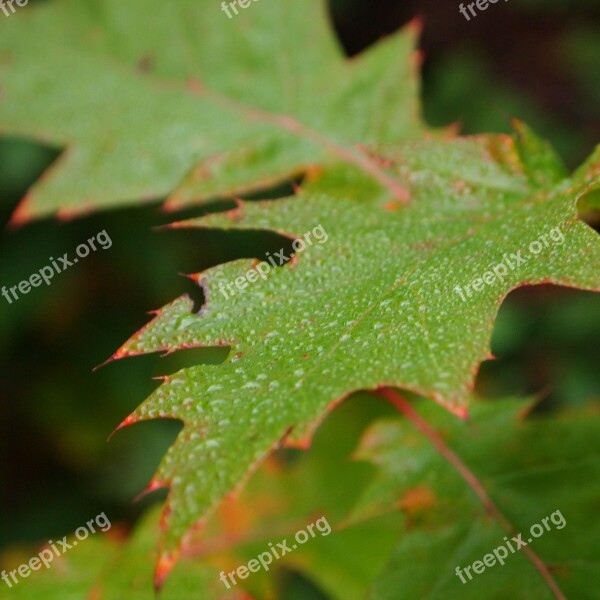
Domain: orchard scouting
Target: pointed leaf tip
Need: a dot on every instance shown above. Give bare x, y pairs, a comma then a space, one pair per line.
21, 215
130, 420
462, 412
164, 566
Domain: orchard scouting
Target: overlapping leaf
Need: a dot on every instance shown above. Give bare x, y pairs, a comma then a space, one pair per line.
372, 305
531, 467
153, 98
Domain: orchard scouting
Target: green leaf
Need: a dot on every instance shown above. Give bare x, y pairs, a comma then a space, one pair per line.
187, 103
531, 467
293, 489
313, 331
